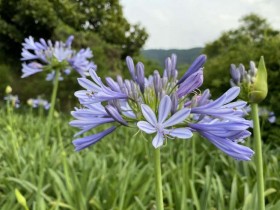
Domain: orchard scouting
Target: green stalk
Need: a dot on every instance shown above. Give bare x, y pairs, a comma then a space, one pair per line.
258, 156
42, 158
50, 115
159, 196
185, 178
193, 141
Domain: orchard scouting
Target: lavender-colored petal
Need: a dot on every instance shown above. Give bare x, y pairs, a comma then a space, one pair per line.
236, 104
231, 148
177, 118
149, 114
168, 67
228, 96
62, 54
157, 83
131, 68
26, 55
112, 84
146, 127
28, 70
69, 41
113, 112
95, 78
253, 70
94, 122
88, 113
174, 103
43, 43
85, 142
173, 61
158, 140
140, 76
182, 133
88, 85
191, 83
29, 43
218, 126
196, 65
164, 108
204, 99
235, 74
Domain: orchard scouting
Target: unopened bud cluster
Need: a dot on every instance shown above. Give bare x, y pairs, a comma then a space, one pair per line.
253, 82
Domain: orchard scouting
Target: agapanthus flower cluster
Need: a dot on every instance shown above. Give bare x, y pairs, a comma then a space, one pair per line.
253, 82
13, 100
48, 56
163, 106
38, 102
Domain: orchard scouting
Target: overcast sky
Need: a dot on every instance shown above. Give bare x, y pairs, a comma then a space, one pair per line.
184, 24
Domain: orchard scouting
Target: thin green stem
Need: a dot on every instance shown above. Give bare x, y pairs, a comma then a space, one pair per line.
185, 178
193, 155
42, 157
53, 99
157, 166
258, 156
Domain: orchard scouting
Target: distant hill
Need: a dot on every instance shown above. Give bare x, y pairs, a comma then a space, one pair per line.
183, 56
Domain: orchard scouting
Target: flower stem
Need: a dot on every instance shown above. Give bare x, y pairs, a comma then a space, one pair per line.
53, 99
259, 161
42, 158
157, 166
185, 178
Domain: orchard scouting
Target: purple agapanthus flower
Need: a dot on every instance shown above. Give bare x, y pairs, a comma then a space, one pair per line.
38, 102
164, 106
47, 56
13, 100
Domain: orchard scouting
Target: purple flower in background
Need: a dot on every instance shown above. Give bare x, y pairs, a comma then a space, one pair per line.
47, 56
161, 104
13, 100
38, 102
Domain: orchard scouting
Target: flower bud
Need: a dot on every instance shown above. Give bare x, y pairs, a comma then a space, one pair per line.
157, 83
174, 103
191, 83
140, 76
168, 67
21, 199
196, 66
258, 90
8, 89
113, 112
131, 68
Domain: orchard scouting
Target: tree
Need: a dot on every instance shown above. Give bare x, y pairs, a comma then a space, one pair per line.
98, 24
19, 19
252, 39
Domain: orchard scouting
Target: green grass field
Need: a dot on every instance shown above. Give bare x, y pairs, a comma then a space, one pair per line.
117, 173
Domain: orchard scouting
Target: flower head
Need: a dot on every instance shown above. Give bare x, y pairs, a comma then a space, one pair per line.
47, 56
162, 105
253, 82
38, 102
13, 100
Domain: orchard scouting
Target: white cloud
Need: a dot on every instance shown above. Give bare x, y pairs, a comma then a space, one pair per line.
192, 23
